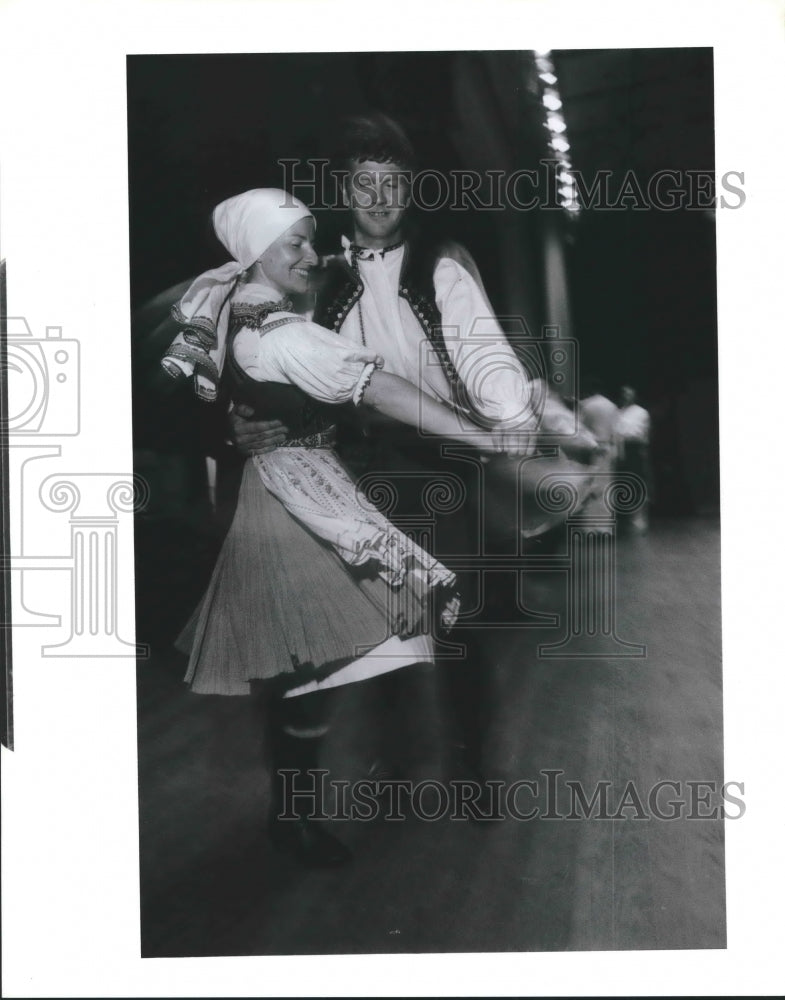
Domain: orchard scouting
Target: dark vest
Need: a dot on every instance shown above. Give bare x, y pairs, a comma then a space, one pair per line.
340, 288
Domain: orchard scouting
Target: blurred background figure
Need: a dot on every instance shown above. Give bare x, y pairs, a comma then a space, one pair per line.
599, 415
632, 449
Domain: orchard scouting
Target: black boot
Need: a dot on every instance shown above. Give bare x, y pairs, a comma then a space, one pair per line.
468, 690
466, 686
297, 818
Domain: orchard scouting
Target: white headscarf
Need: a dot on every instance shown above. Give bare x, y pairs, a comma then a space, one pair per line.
247, 225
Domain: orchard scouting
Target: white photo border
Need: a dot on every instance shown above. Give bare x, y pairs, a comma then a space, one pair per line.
70, 849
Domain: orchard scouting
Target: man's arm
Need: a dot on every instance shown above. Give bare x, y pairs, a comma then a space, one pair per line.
498, 387
400, 400
254, 437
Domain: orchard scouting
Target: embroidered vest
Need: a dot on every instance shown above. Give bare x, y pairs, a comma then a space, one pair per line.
340, 289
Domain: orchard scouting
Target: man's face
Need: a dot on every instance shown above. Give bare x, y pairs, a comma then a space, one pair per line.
378, 195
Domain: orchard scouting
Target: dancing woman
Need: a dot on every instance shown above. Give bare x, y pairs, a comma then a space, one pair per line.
313, 586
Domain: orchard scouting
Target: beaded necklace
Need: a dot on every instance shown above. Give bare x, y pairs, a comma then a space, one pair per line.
356, 252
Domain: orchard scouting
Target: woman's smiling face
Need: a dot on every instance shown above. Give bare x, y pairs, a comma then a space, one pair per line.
287, 263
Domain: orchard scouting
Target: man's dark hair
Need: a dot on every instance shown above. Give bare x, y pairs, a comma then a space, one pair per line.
373, 137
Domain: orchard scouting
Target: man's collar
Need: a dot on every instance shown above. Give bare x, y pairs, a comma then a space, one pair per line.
357, 252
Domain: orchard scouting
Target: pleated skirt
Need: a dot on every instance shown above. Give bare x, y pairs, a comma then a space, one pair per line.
280, 604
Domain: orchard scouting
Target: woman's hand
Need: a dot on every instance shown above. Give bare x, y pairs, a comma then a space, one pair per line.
255, 437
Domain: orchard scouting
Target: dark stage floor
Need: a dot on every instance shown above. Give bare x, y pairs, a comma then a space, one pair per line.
211, 885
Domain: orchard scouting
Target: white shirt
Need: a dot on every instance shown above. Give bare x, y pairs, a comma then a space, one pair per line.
494, 378
300, 353
600, 415
633, 423
308, 356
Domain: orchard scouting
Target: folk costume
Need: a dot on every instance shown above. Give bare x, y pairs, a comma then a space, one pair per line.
313, 586
425, 310
423, 307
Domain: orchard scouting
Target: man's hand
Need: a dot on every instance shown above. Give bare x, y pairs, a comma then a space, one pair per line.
515, 440
255, 437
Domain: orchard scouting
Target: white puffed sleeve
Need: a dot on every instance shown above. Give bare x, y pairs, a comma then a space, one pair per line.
304, 354
497, 384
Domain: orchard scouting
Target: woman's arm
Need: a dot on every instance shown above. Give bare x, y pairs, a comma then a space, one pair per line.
399, 399
333, 371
